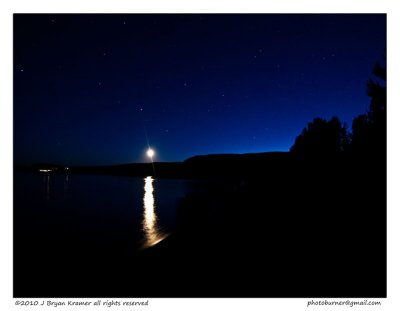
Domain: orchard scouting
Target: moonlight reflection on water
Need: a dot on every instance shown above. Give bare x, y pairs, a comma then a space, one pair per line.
153, 234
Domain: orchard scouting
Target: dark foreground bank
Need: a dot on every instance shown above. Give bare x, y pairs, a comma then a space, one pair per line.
304, 229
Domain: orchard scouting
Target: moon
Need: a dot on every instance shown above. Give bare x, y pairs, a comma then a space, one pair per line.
150, 153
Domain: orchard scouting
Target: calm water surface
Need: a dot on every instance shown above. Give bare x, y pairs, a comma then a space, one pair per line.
102, 211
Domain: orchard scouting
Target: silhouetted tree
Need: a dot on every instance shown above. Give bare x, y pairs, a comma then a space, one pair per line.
321, 138
369, 130
360, 129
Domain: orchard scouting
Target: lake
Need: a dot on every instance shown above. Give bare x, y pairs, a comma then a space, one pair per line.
57, 208
73, 232
99, 236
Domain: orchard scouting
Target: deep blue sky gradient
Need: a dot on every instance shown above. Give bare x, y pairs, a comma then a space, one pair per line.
88, 89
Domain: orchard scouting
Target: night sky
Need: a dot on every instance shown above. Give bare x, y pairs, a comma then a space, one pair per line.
95, 89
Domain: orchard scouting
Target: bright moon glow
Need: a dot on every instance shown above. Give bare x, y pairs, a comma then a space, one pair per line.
150, 153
